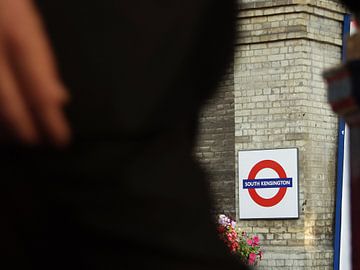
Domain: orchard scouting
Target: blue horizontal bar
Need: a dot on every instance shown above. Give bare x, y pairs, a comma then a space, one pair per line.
267, 183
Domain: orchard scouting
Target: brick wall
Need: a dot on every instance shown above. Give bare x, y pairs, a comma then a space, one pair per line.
215, 149
280, 101
277, 99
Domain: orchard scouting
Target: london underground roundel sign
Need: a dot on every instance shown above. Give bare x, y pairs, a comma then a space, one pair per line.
268, 184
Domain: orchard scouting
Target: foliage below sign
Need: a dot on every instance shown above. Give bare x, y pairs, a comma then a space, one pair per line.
268, 184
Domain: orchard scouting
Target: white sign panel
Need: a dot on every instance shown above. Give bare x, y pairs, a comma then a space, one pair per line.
268, 184
345, 244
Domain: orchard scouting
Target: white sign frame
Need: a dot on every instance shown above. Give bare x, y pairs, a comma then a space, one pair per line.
268, 184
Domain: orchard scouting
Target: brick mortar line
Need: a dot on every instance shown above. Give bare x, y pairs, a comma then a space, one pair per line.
328, 9
287, 39
267, 7
243, 7
239, 17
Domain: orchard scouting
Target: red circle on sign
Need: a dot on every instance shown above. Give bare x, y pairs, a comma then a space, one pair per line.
267, 164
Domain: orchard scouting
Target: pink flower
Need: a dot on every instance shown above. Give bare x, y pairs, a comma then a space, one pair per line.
252, 258
256, 240
249, 241
241, 244
234, 246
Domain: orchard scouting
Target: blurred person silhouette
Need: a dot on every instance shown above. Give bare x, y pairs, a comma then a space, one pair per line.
98, 116
352, 67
